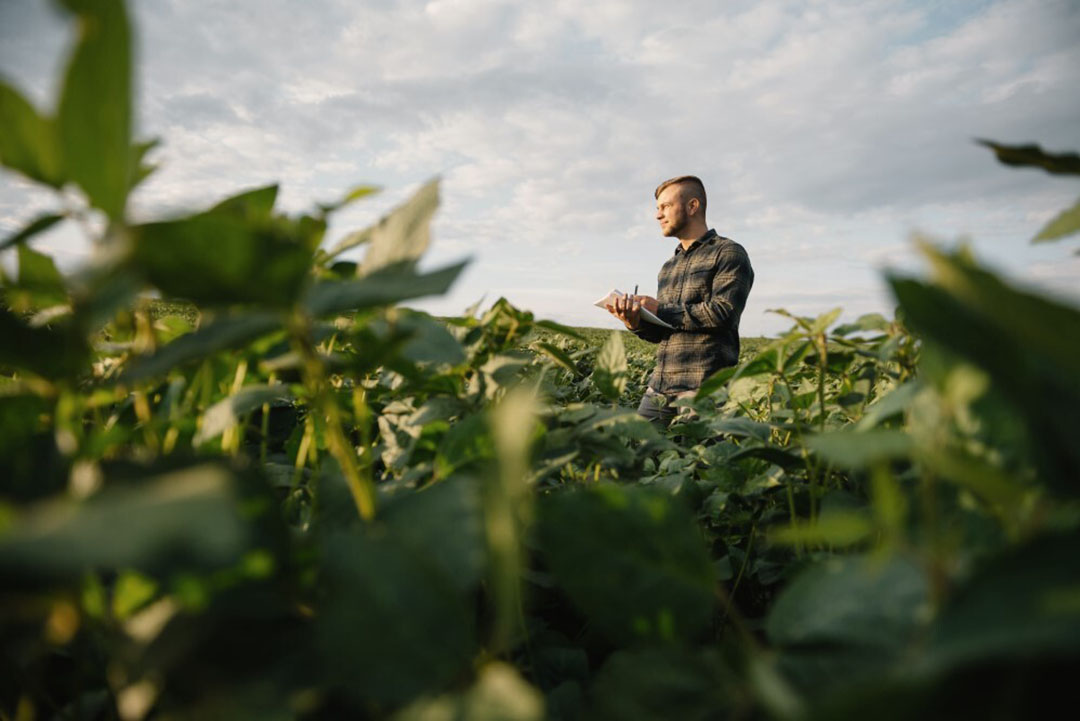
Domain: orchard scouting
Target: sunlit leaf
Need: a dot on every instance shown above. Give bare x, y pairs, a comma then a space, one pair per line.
1066, 223
609, 373
227, 412
859, 450
94, 117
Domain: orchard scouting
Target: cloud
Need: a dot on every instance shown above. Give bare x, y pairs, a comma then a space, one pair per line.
825, 132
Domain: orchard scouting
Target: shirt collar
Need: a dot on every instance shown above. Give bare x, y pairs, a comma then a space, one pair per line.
708, 234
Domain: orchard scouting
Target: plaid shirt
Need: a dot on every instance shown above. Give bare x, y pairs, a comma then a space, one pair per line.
702, 292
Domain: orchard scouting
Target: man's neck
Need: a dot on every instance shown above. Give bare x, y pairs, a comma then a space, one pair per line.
692, 233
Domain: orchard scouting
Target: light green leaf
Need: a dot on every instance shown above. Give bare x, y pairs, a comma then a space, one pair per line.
227, 412
28, 140
94, 118
859, 450
609, 374
400, 236
833, 528
1066, 223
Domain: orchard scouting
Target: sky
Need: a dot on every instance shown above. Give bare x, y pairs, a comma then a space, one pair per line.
828, 133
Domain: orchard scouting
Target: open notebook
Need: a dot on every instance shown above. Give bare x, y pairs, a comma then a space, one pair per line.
646, 316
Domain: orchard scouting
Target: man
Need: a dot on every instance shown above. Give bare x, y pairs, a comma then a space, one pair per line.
702, 291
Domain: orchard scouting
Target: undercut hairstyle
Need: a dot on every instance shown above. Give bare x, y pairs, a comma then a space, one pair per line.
692, 187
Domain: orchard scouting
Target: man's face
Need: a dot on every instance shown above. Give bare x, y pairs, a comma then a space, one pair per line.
671, 211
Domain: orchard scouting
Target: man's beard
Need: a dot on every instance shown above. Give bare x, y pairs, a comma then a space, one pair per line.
675, 227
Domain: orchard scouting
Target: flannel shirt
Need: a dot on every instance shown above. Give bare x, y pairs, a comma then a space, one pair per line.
701, 292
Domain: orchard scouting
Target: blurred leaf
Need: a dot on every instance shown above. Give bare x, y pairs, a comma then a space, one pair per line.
743, 427
859, 450
233, 253
896, 401
392, 626
559, 356
1066, 223
227, 412
444, 524
28, 141
186, 517
1034, 156
429, 341
499, 694
662, 683
846, 619
141, 170
631, 558
386, 287
218, 335
94, 118
833, 528
39, 280
401, 236
777, 456
869, 321
360, 191
609, 373
55, 352
1021, 604
38, 225
560, 329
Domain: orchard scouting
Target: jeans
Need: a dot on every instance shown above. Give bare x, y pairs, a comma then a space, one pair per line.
660, 408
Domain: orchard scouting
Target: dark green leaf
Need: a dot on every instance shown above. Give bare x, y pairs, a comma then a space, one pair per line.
39, 279
443, 523
94, 117
662, 683
392, 625
227, 412
1034, 156
560, 329
387, 287
222, 334
38, 225
559, 356
56, 352
1024, 603
187, 516
28, 141
631, 558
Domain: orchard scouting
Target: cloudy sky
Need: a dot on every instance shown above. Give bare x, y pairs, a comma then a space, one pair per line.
827, 131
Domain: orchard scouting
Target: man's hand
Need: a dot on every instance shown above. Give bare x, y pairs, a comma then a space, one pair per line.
628, 309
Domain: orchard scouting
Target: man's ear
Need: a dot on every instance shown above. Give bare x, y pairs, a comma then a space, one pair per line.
693, 206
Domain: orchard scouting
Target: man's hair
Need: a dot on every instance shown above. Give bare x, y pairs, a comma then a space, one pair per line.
694, 187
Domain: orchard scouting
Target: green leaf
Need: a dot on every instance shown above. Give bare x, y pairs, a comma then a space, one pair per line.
631, 558
499, 694
28, 142
778, 456
355, 194
187, 516
227, 412
847, 618
663, 683
94, 118
392, 626
832, 528
1066, 223
39, 279
559, 356
1024, 603
141, 170
869, 321
444, 524
1034, 156
560, 329
401, 236
222, 334
859, 450
897, 400
55, 352
38, 225
233, 253
610, 371
389, 286
428, 340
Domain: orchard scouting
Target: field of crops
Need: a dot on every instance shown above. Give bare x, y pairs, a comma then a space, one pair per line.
275, 493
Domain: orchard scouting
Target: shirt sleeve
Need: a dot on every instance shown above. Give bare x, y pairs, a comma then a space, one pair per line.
730, 288
651, 332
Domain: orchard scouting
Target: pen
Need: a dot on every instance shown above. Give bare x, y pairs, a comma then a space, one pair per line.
635, 288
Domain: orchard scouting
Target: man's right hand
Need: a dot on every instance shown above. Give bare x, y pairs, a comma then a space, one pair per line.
628, 309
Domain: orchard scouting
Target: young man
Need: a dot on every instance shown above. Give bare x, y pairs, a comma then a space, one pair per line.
702, 291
